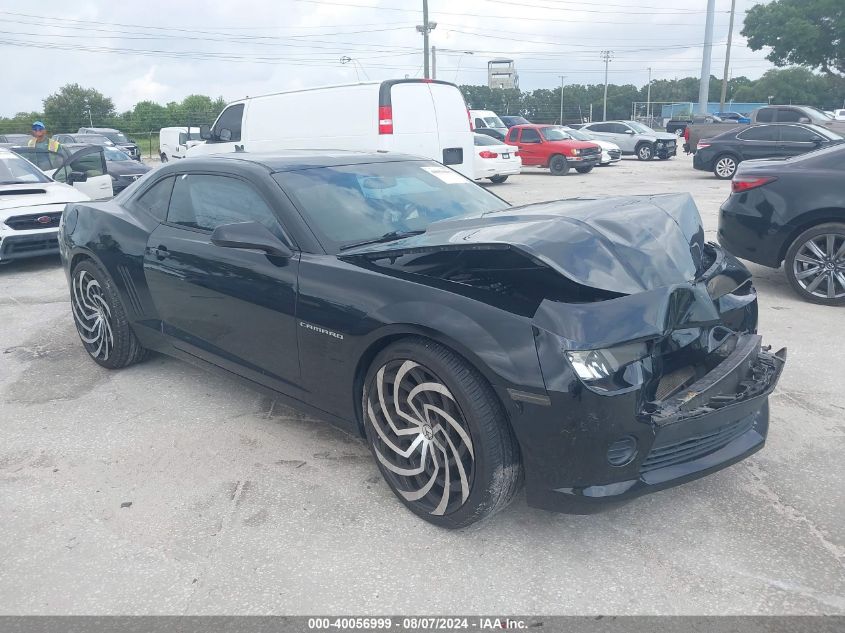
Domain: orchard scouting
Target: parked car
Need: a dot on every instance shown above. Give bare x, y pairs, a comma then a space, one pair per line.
425, 118
610, 152
734, 116
839, 115
174, 142
493, 133
771, 114
551, 146
465, 340
31, 205
495, 160
635, 139
83, 139
510, 121
487, 120
722, 154
82, 166
792, 212
15, 139
122, 169
117, 137
677, 126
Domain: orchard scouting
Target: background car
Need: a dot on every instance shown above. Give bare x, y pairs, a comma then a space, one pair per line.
635, 139
466, 341
117, 137
492, 132
85, 139
15, 139
82, 166
122, 169
610, 152
510, 120
487, 120
792, 212
722, 154
839, 115
734, 116
495, 160
174, 142
679, 125
551, 146
31, 205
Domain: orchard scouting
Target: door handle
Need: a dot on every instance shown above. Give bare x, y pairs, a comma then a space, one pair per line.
160, 252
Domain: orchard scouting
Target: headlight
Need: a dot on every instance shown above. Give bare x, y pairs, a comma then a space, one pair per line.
575, 151
612, 369
659, 144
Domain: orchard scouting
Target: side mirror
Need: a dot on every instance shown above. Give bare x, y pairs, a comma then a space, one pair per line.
817, 141
803, 119
77, 176
132, 140
251, 235
629, 132
205, 132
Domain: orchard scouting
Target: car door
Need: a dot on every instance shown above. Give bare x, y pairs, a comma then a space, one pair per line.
232, 307
759, 141
796, 139
531, 147
91, 162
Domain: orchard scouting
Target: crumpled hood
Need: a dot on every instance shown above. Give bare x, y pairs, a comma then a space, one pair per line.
53, 193
626, 244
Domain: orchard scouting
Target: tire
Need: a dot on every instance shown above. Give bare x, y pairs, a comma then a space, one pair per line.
558, 165
645, 151
815, 264
679, 132
163, 157
584, 170
452, 428
725, 166
498, 179
100, 318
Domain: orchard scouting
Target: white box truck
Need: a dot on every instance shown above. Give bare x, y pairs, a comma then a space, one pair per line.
421, 117
174, 142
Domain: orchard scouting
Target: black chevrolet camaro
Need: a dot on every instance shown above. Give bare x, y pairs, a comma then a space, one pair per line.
595, 350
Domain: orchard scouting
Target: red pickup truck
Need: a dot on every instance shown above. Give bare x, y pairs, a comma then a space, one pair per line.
551, 146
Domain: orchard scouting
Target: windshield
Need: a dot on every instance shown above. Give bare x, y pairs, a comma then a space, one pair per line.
15, 170
821, 114
823, 131
517, 120
494, 121
354, 203
555, 134
639, 127
114, 155
116, 137
93, 139
483, 139
578, 135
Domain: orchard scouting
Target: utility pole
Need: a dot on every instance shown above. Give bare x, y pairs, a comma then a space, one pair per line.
727, 58
433, 62
704, 86
606, 55
562, 77
648, 98
426, 28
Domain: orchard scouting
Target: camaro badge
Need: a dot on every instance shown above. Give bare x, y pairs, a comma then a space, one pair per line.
320, 330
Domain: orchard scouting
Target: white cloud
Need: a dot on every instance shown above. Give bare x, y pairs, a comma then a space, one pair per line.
144, 88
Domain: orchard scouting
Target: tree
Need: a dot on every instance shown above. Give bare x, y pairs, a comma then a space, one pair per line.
69, 108
803, 32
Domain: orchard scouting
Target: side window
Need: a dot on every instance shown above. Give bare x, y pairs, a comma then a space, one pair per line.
91, 164
228, 126
618, 128
765, 115
479, 123
512, 135
183, 138
202, 201
155, 199
795, 134
760, 133
788, 115
530, 135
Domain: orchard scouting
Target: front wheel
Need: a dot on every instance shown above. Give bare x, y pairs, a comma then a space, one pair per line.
645, 152
584, 170
558, 165
815, 264
439, 434
100, 319
498, 179
679, 132
725, 167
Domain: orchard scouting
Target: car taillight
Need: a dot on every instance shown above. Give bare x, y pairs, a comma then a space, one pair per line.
487, 154
738, 185
385, 120
702, 145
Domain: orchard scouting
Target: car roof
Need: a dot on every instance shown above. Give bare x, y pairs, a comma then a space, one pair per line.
289, 160
535, 125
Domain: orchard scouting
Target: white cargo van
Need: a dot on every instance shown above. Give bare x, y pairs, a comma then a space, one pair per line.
174, 142
487, 119
420, 117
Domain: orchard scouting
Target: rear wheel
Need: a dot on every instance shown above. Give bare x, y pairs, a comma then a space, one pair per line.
498, 179
584, 170
679, 132
725, 167
558, 165
645, 151
100, 318
439, 434
815, 264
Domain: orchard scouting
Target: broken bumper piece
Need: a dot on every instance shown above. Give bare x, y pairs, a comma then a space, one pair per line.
717, 421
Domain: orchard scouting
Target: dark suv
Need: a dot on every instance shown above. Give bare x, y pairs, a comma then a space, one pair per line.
117, 137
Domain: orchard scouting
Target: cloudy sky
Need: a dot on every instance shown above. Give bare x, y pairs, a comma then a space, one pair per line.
165, 49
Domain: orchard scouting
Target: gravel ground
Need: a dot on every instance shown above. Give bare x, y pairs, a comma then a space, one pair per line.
162, 489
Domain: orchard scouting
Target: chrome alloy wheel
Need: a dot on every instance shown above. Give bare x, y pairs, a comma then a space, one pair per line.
92, 314
819, 266
725, 167
421, 438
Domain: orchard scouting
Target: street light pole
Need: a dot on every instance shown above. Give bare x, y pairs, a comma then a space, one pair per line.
562, 77
648, 98
727, 58
704, 85
606, 55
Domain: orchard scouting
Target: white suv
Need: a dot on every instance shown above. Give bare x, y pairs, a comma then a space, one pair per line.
634, 139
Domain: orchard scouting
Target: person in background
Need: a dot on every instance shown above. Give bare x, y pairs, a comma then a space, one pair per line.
40, 140
687, 148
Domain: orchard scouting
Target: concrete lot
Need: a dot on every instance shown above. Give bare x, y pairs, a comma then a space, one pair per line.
239, 505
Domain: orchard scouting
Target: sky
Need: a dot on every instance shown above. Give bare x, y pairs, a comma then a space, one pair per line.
164, 50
